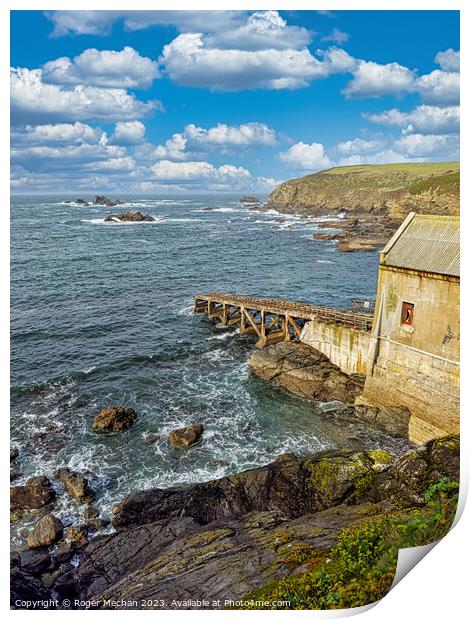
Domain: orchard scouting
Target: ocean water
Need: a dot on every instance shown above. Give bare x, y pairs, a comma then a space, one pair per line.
102, 316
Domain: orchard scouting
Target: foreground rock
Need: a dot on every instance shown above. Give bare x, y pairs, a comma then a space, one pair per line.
37, 492
46, 532
186, 437
114, 419
105, 202
224, 538
14, 452
130, 216
75, 484
304, 371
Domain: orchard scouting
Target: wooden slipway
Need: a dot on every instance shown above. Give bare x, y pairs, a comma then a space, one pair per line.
274, 320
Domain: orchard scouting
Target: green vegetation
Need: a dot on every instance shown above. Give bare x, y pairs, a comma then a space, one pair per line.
361, 566
446, 184
413, 168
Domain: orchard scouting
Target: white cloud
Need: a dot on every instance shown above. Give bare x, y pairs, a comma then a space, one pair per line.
262, 30
419, 145
33, 101
44, 156
104, 68
303, 156
60, 133
374, 80
448, 60
336, 36
100, 22
387, 156
189, 61
439, 87
358, 145
195, 170
422, 119
128, 132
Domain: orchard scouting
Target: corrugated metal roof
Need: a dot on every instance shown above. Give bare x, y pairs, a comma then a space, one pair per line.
426, 243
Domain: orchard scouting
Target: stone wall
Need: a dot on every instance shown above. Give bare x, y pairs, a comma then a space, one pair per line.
345, 347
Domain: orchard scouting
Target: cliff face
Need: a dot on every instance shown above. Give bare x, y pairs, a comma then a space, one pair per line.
390, 190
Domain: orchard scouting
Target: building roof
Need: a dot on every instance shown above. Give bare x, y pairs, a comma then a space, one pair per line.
429, 243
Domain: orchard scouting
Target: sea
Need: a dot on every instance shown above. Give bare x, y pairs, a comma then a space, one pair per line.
102, 315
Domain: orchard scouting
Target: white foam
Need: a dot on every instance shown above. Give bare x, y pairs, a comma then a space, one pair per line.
325, 261
116, 222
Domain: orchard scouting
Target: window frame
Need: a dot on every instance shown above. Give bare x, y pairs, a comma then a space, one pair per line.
407, 307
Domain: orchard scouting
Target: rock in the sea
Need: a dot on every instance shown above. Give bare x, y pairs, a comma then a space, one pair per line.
250, 199
114, 419
106, 202
47, 531
130, 216
185, 437
75, 484
80, 201
37, 492
304, 371
13, 454
391, 420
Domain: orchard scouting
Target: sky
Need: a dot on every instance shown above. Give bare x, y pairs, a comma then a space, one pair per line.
226, 101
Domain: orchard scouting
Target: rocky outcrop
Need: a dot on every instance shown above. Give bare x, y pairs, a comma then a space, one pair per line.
185, 437
304, 371
75, 484
80, 201
392, 420
46, 532
37, 492
224, 538
364, 234
130, 216
103, 201
250, 200
114, 419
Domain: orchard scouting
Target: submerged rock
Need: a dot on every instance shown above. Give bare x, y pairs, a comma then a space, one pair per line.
13, 454
35, 561
185, 437
130, 216
114, 419
304, 371
105, 202
37, 492
47, 531
75, 484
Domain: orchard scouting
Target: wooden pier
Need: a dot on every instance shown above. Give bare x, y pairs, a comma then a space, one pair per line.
274, 320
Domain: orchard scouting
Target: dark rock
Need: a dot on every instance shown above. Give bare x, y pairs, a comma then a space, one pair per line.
75, 484
304, 371
80, 201
13, 454
131, 216
90, 513
96, 524
35, 561
105, 202
250, 199
392, 420
114, 419
46, 532
37, 492
25, 587
185, 437
63, 552
151, 439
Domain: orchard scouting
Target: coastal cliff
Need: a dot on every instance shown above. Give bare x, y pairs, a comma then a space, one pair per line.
390, 190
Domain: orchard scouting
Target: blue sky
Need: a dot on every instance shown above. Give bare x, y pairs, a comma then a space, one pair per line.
158, 101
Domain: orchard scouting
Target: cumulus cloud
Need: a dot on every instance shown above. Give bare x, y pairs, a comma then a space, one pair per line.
375, 80
448, 60
439, 87
435, 146
387, 156
303, 156
194, 142
197, 170
42, 157
128, 132
104, 68
336, 36
358, 145
60, 133
262, 30
101, 22
33, 101
189, 61
422, 119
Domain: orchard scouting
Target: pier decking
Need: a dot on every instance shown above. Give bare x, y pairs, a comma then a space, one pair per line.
274, 320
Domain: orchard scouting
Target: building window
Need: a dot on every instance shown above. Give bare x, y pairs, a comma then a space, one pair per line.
407, 311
